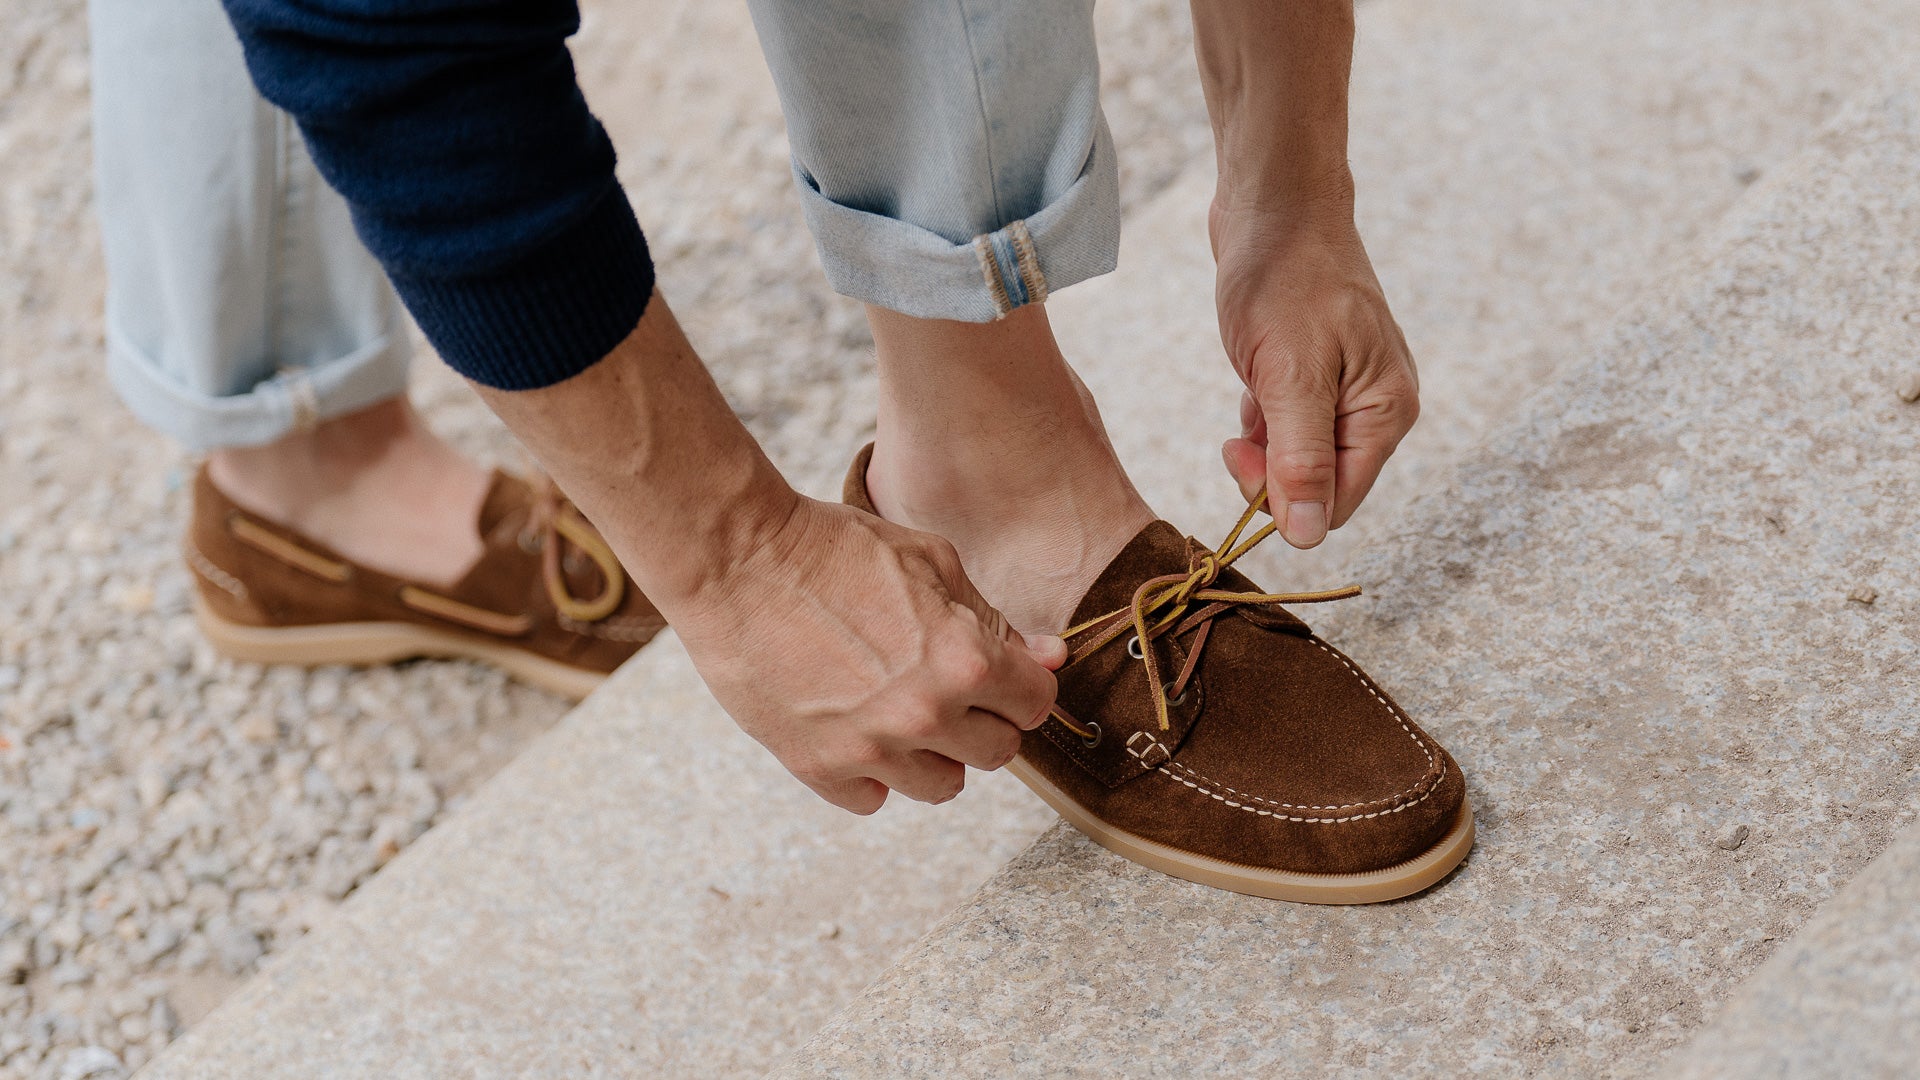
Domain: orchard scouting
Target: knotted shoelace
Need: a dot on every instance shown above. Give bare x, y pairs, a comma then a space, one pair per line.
1167, 605
555, 519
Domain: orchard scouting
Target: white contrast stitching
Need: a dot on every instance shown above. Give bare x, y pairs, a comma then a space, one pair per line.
1162, 770
1405, 725
1153, 744
214, 575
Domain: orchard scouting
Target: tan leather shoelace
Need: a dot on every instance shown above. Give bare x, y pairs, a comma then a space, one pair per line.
1161, 606
554, 519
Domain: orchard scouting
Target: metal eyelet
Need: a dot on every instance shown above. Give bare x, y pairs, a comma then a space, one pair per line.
1134, 648
1176, 702
531, 542
1093, 740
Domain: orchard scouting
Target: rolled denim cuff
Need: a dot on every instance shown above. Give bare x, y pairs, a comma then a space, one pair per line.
901, 266
295, 399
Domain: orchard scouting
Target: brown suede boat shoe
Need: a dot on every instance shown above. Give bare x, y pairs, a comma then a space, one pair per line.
1204, 731
547, 602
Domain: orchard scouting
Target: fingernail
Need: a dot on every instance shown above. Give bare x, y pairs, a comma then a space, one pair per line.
1306, 523
1046, 648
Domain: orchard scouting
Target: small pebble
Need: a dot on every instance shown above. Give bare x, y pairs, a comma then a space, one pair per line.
16, 963
1863, 594
153, 786
91, 1061
161, 1018
1908, 387
1731, 839
259, 729
134, 599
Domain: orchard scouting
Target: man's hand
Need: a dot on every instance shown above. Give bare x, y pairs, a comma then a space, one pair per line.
1331, 387
854, 649
859, 653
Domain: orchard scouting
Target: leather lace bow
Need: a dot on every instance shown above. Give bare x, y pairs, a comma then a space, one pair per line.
1175, 604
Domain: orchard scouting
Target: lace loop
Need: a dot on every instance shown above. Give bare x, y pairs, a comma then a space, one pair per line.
1159, 603
555, 519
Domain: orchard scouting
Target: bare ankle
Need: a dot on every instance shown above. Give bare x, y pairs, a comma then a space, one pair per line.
341, 482
988, 438
283, 477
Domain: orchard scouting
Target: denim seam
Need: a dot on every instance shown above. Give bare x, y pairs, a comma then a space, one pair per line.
1007, 260
990, 269
1034, 281
986, 122
275, 392
302, 398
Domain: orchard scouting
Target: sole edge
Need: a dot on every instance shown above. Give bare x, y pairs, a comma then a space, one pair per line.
375, 643
1367, 887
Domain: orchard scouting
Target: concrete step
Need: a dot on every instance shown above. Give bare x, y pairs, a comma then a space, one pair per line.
643, 890
1629, 618
1841, 1000
594, 911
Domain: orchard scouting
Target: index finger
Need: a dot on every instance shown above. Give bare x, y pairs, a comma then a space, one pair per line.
1018, 687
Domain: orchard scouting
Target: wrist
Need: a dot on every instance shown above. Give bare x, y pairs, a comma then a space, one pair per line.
740, 514
1286, 197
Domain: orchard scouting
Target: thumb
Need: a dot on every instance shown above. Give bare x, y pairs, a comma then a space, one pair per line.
1049, 650
1301, 458
1046, 649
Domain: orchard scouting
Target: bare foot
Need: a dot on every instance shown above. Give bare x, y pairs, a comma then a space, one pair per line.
988, 438
376, 486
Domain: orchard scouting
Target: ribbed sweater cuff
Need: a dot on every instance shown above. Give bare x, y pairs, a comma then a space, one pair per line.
547, 316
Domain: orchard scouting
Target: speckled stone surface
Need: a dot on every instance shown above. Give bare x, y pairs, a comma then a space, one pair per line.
1841, 1000
1628, 618
645, 891
1523, 171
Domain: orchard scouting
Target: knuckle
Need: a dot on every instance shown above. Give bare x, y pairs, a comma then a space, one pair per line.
968, 667
863, 757
1040, 713
948, 785
1405, 409
919, 725
1008, 749
1303, 466
866, 802
809, 768
940, 554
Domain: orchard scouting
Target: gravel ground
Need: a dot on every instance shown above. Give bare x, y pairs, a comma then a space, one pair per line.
167, 818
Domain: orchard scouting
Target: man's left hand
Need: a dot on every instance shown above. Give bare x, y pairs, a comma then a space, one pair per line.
1331, 386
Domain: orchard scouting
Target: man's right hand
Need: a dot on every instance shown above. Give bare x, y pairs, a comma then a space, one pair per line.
856, 650
858, 653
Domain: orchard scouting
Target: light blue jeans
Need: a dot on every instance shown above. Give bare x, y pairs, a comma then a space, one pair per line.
951, 157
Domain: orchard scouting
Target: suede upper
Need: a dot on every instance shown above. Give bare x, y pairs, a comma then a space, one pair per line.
255, 573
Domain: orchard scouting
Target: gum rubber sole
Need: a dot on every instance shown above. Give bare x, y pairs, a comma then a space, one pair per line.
1367, 887
371, 643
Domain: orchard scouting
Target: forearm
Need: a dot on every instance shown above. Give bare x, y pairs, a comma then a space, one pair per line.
1275, 77
646, 445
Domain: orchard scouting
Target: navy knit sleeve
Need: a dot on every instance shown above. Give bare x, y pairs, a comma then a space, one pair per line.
457, 133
